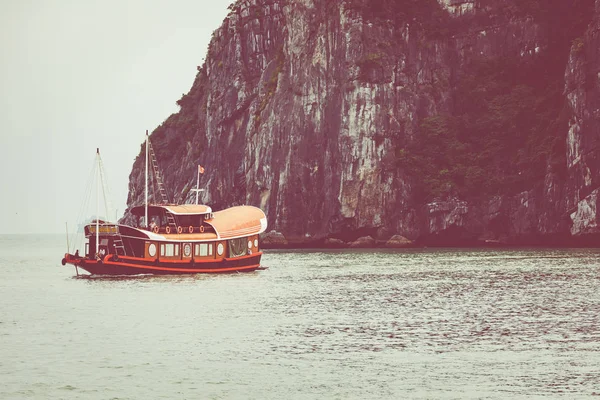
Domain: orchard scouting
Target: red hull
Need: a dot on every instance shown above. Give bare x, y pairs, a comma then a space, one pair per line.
137, 266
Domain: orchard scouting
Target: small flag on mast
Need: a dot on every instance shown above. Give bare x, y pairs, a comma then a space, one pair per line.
200, 169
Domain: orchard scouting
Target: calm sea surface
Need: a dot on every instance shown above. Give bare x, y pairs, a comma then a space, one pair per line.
421, 324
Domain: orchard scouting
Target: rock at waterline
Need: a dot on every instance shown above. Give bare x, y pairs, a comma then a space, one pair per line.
274, 238
363, 242
398, 241
335, 243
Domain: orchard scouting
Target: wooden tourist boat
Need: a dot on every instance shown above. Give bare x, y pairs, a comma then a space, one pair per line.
180, 239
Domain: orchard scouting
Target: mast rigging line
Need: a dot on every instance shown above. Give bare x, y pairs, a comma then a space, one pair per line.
77, 235
108, 207
96, 172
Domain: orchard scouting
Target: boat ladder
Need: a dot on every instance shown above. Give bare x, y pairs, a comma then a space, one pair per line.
171, 221
119, 245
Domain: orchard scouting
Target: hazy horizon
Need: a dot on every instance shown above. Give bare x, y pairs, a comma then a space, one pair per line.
84, 75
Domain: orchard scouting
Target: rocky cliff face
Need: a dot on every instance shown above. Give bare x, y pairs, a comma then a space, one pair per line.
306, 108
582, 90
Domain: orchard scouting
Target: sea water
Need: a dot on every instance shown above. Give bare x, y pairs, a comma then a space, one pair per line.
351, 324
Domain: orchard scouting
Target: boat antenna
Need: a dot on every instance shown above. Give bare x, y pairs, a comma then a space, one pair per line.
146, 184
97, 200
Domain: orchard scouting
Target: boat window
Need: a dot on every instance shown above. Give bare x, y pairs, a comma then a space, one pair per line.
169, 250
210, 249
196, 249
162, 249
176, 249
203, 249
237, 247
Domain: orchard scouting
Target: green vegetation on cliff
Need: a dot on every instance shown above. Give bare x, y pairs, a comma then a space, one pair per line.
508, 121
500, 138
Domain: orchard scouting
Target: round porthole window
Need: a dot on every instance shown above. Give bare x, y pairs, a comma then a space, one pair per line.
152, 250
220, 249
187, 250
255, 242
249, 244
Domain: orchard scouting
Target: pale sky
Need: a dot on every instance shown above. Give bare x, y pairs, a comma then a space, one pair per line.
81, 74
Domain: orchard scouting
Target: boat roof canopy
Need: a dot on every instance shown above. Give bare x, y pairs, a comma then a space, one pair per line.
237, 221
184, 209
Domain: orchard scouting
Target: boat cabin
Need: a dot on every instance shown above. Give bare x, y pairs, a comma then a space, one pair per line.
179, 233
170, 219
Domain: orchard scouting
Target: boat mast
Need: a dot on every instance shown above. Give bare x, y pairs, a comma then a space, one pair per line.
146, 184
98, 201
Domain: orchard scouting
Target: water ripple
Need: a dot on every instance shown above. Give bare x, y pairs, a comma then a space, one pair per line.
424, 323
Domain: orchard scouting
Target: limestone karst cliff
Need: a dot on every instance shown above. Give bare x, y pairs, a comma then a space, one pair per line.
450, 122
